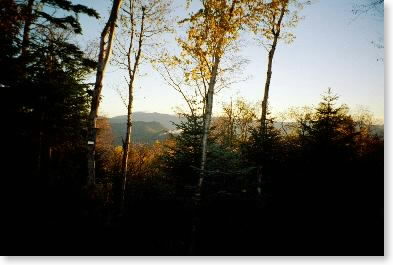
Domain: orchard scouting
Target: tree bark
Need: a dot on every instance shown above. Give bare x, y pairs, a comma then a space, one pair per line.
207, 115
267, 87
126, 147
103, 58
207, 121
131, 71
276, 33
208, 107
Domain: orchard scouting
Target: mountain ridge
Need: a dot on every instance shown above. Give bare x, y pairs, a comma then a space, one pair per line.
150, 127
166, 120
142, 132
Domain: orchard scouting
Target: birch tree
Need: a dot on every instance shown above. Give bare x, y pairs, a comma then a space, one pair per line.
143, 22
275, 18
211, 34
106, 43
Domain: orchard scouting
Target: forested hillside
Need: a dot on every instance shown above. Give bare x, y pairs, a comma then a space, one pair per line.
143, 132
166, 120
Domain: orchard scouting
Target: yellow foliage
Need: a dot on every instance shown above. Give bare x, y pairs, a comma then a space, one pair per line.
211, 30
118, 150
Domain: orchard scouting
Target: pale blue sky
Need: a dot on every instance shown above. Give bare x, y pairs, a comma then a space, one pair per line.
332, 49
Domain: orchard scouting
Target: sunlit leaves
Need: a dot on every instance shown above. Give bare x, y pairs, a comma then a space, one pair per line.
210, 31
267, 23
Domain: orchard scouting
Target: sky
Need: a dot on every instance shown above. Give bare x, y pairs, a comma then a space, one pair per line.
333, 48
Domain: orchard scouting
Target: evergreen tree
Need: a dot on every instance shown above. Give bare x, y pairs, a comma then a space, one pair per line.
182, 159
264, 152
331, 131
38, 14
46, 105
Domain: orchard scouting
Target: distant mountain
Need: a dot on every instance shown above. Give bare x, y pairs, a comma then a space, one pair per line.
165, 119
149, 127
142, 132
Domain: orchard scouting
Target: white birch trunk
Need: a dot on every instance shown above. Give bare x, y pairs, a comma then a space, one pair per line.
103, 58
206, 124
131, 71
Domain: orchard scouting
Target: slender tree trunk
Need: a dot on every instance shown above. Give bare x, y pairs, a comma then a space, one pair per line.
276, 34
264, 110
26, 28
131, 71
103, 58
208, 109
267, 85
126, 147
207, 116
206, 124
